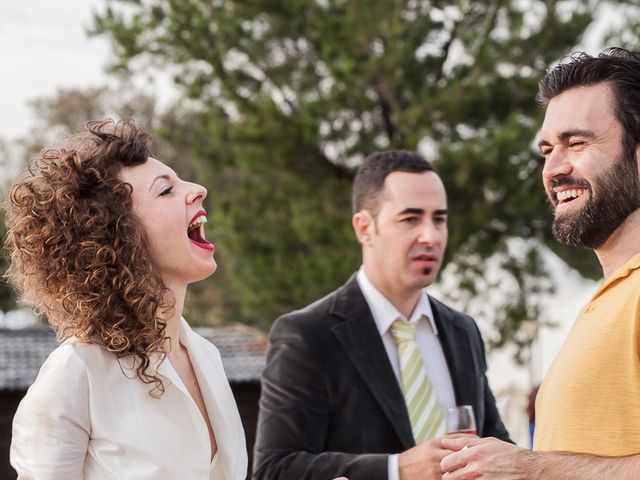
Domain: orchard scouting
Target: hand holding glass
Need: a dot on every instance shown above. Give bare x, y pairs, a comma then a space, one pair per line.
461, 419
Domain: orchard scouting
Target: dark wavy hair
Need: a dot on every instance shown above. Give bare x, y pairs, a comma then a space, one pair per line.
368, 183
77, 252
619, 68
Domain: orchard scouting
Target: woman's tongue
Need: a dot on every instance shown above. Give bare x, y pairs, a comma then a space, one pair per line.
195, 235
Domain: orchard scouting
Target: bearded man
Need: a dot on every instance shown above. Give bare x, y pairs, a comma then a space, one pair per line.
588, 408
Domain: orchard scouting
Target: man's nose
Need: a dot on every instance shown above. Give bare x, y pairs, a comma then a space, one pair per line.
428, 234
556, 165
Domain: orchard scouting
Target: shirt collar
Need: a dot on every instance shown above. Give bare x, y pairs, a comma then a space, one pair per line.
632, 264
622, 271
385, 313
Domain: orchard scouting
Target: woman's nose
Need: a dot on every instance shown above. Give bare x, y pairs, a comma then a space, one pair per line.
197, 193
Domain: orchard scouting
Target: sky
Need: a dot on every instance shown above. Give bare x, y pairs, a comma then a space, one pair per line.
44, 47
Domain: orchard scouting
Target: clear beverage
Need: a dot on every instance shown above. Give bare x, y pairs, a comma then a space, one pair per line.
461, 419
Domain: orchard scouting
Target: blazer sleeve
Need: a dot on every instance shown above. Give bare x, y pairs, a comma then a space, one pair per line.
492, 425
51, 426
294, 416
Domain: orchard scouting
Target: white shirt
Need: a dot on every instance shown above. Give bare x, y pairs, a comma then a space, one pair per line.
87, 416
384, 314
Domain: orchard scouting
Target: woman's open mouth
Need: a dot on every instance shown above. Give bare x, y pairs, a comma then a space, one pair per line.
195, 231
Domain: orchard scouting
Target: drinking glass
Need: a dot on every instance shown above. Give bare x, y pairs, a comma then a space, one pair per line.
461, 419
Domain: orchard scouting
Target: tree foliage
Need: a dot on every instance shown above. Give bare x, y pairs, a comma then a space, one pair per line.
287, 97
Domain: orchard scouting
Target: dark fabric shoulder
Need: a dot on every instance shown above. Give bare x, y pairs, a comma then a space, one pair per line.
446, 313
319, 308
325, 312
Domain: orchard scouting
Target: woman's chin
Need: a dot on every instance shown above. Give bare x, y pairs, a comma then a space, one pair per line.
206, 272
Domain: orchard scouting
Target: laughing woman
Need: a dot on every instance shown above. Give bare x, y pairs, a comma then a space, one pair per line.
103, 240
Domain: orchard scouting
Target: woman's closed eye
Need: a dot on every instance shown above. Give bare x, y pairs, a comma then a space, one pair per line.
166, 191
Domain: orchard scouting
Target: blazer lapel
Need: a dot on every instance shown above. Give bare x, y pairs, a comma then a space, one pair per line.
219, 400
171, 377
454, 339
363, 345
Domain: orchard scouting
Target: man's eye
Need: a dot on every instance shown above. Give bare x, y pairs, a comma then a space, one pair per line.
410, 219
577, 143
440, 220
166, 191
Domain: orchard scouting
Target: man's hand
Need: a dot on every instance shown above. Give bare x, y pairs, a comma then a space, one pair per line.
423, 461
484, 458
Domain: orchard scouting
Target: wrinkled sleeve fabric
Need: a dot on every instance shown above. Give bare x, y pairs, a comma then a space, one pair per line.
294, 415
51, 427
493, 425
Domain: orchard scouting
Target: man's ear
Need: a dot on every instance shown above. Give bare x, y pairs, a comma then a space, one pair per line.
363, 226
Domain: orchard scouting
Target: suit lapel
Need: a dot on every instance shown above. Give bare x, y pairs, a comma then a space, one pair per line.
456, 347
363, 345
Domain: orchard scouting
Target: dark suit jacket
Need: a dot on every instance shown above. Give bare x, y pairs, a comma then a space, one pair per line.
331, 404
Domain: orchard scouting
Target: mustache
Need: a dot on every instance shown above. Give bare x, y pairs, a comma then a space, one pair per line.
569, 180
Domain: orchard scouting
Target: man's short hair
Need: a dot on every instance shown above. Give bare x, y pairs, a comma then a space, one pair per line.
368, 183
617, 67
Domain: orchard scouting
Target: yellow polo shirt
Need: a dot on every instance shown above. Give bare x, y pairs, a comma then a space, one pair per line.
590, 400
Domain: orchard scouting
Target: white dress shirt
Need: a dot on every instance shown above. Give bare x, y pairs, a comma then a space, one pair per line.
87, 416
384, 314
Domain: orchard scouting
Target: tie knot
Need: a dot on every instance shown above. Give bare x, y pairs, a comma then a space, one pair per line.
403, 331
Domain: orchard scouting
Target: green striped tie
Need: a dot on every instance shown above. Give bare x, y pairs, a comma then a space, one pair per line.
427, 419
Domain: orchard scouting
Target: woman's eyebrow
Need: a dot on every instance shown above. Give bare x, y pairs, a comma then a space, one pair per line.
160, 177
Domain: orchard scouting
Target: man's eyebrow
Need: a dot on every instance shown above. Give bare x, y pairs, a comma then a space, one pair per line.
420, 211
411, 211
576, 132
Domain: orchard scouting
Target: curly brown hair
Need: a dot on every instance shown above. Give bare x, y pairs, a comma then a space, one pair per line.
79, 255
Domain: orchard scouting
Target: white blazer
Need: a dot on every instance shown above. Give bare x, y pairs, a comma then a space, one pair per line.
87, 416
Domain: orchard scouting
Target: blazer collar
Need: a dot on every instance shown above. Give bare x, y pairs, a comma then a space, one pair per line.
359, 337
164, 366
363, 345
216, 393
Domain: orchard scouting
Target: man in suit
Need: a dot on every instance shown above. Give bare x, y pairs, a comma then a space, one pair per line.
358, 383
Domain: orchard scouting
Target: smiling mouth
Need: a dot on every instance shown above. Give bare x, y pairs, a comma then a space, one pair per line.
196, 234
567, 196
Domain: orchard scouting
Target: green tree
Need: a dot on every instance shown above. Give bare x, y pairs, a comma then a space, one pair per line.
288, 97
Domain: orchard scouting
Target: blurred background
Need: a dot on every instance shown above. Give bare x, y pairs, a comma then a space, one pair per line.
272, 105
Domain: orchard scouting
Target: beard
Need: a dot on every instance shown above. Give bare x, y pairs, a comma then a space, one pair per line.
617, 195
